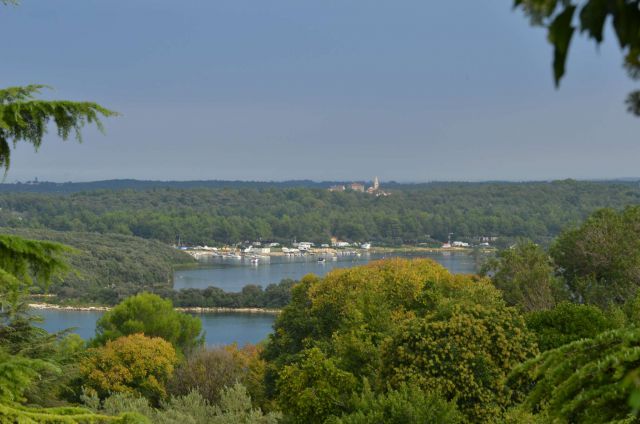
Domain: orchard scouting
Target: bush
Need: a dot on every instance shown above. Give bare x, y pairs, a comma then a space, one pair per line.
208, 371
407, 405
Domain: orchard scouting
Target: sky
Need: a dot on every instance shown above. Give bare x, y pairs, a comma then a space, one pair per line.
408, 90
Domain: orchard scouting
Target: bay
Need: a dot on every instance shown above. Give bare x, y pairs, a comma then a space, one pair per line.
220, 328
232, 275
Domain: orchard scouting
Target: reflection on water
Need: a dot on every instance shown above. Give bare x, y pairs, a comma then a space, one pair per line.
233, 274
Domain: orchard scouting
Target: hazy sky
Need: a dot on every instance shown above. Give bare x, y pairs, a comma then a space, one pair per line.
325, 90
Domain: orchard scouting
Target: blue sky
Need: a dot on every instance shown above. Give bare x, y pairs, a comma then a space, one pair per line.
323, 90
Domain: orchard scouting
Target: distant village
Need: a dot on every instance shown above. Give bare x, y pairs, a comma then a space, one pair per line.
373, 190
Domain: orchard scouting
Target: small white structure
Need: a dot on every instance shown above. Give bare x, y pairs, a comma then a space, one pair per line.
365, 246
460, 244
305, 246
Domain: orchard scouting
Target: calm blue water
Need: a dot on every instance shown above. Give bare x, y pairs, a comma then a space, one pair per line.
220, 328
233, 274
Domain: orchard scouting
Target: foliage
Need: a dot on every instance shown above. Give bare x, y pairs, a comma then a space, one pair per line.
394, 322
525, 275
208, 371
600, 260
407, 405
462, 345
155, 317
25, 118
251, 296
586, 381
234, 407
566, 323
314, 388
411, 214
25, 263
135, 364
591, 16
30, 354
11, 413
107, 268
17, 373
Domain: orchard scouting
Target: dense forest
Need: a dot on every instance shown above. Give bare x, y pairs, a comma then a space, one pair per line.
544, 336
424, 213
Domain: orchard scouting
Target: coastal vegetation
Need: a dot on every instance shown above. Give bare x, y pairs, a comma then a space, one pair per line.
412, 214
396, 340
107, 268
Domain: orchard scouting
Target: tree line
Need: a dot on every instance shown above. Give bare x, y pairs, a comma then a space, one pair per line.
410, 215
543, 335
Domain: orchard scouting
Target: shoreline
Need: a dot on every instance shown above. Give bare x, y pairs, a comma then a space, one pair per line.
191, 309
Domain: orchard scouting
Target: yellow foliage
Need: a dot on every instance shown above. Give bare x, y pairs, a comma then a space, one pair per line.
134, 364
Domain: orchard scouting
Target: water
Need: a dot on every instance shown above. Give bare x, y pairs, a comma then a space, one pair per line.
220, 328
233, 274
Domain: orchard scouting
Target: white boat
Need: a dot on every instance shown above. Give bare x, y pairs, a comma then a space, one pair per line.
321, 260
255, 261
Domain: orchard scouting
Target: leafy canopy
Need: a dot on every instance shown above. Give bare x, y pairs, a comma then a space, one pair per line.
587, 381
23, 117
563, 17
525, 275
600, 260
566, 323
153, 316
131, 364
393, 323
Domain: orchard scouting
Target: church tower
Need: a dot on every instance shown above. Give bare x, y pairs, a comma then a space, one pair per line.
376, 183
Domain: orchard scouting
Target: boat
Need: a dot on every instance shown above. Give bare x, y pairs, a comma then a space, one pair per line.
321, 260
255, 261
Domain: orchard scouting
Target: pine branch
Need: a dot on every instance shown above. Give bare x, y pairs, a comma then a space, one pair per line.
25, 118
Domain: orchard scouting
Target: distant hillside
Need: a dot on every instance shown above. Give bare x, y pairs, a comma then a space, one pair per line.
411, 214
131, 184
110, 267
70, 187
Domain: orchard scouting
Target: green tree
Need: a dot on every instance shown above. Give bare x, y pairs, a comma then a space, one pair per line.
600, 260
154, 317
586, 381
525, 275
394, 322
566, 323
462, 344
314, 388
563, 18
